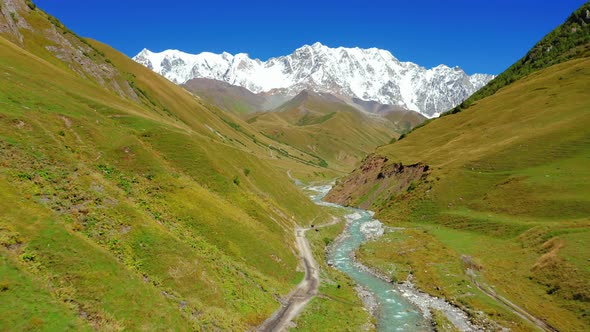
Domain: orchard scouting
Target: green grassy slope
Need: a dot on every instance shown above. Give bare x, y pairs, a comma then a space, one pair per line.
405, 120
508, 189
141, 208
210, 121
230, 98
332, 129
323, 126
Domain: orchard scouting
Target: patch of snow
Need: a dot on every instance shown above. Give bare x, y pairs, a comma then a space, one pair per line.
368, 74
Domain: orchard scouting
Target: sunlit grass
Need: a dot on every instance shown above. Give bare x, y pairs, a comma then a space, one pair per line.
508, 186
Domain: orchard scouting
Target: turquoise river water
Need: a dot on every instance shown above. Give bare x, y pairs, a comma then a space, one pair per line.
394, 312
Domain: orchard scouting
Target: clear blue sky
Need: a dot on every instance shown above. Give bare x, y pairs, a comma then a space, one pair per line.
479, 36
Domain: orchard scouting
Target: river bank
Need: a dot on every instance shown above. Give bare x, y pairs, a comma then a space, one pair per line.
395, 306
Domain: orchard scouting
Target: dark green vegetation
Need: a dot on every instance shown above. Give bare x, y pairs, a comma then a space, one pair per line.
505, 201
128, 203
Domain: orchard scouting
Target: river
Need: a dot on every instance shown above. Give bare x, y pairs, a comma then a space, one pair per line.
394, 312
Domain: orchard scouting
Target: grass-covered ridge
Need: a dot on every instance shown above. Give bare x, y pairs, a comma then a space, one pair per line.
507, 188
323, 126
134, 205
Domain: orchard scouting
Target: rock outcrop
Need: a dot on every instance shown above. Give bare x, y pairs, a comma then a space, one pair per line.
376, 181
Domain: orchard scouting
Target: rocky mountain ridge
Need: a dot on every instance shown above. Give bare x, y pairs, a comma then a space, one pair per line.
367, 74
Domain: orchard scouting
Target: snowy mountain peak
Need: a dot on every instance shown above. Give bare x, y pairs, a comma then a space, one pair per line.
144, 52
369, 74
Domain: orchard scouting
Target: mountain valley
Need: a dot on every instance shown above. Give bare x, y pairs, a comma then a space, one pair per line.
172, 191
500, 200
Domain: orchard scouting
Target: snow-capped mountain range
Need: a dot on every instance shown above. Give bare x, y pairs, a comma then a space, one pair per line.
369, 74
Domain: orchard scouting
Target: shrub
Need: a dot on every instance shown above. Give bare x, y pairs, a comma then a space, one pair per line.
31, 5
28, 257
107, 170
24, 176
9, 237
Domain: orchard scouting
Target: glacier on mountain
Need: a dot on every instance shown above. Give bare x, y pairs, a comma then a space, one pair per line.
368, 74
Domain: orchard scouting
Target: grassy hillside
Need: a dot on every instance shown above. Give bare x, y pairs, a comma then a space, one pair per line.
507, 196
496, 195
324, 126
230, 98
337, 131
403, 119
133, 205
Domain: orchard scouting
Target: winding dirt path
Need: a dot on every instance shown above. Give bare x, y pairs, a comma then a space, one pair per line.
517, 310
305, 291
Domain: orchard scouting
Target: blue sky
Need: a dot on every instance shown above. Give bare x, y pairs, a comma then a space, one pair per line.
479, 36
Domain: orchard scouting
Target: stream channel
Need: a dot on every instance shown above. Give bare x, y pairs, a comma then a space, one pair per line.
394, 312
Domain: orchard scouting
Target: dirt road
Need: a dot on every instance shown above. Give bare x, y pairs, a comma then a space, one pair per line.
305, 291
517, 310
